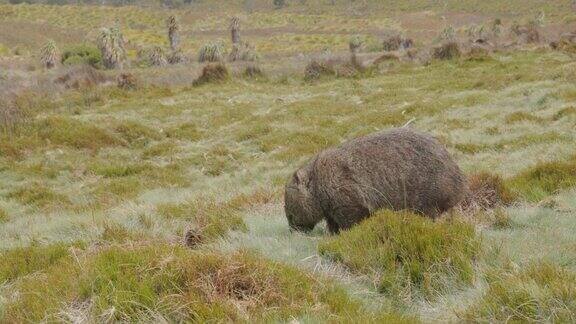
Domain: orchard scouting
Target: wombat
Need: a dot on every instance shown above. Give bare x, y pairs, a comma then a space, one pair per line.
396, 169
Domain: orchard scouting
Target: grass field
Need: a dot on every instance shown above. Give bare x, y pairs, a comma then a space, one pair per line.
98, 185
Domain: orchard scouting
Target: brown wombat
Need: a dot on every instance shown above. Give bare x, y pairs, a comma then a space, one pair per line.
396, 169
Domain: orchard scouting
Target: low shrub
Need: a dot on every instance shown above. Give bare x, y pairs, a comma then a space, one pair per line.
539, 292
82, 55
403, 251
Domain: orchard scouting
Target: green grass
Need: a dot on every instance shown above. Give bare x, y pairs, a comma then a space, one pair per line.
544, 179
210, 218
403, 251
24, 261
537, 292
38, 195
181, 285
128, 172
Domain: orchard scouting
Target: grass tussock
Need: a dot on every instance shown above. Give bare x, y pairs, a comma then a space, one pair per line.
210, 219
544, 179
487, 191
521, 116
81, 77
564, 113
447, 51
39, 195
23, 261
136, 133
179, 285
4, 216
404, 252
212, 73
540, 292
63, 131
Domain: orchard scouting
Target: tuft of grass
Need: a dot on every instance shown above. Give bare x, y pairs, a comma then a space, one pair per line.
521, 116
74, 133
38, 195
160, 150
22, 261
539, 292
212, 219
114, 232
544, 179
212, 73
186, 131
4, 217
181, 285
486, 191
111, 170
403, 251
565, 112
134, 132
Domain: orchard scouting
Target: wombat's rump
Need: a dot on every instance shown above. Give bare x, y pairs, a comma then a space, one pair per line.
396, 169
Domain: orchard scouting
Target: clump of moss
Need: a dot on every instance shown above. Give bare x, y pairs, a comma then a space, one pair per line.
404, 251
540, 292
181, 285
544, 179
521, 116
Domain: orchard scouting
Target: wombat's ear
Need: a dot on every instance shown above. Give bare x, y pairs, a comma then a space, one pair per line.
300, 176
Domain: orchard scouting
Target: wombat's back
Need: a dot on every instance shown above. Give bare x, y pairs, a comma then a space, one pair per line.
397, 169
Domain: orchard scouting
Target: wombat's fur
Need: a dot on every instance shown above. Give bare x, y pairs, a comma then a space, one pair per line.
397, 169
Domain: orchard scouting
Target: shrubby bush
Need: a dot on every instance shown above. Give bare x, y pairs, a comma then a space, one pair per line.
82, 54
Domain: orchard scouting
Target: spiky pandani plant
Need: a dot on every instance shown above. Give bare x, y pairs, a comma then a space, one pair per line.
211, 52
49, 54
111, 44
354, 44
173, 33
157, 57
235, 30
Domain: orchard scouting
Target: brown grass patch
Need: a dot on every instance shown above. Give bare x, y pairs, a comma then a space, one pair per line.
211, 73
